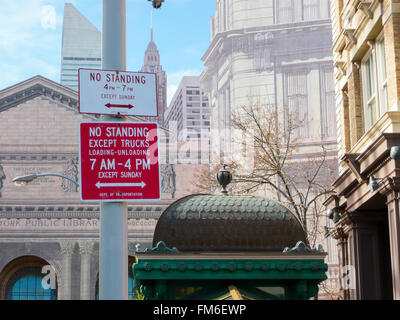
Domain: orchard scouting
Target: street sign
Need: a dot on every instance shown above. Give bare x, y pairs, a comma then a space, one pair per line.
119, 161
117, 92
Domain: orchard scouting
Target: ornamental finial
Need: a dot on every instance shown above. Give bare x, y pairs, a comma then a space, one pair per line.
224, 177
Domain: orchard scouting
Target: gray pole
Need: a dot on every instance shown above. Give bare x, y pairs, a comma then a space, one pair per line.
113, 258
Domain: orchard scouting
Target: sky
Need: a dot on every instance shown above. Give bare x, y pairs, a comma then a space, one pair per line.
31, 34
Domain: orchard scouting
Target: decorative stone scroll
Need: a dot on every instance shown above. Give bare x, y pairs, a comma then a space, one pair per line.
67, 247
86, 247
2, 177
168, 179
71, 171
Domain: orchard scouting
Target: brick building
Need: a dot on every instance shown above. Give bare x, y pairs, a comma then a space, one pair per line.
44, 226
365, 207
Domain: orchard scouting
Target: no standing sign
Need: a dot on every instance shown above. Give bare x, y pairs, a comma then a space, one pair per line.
117, 92
119, 161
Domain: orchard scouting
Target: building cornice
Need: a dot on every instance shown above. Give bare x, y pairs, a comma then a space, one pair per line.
352, 187
39, 86
59, 156
276, 28
73, 212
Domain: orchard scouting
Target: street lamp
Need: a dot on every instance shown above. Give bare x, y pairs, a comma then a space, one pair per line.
156, 3
23, 180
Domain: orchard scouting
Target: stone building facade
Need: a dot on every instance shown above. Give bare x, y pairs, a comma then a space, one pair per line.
273, 54
365, 207
44, 223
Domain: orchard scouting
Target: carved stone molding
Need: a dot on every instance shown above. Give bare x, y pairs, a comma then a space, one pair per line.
42, 212
71, 170
67, 247
168, 179
35, 91
86, 247
37, 156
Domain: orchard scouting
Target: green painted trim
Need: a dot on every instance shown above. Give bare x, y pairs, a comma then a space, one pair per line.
230, 269
160, 278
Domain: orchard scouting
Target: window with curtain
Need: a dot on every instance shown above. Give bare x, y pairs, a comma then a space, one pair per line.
297, 101
285, 11
374, 84
26, 284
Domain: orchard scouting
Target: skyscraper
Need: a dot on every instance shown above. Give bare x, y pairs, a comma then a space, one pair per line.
190, 110
81, 46
152, 65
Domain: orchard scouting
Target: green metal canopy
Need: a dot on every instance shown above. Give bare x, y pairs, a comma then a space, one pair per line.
164, 273
229, 247
223, 223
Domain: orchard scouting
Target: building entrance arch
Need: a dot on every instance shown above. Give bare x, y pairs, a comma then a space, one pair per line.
28, 278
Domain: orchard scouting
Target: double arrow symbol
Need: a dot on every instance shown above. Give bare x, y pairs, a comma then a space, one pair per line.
100, 185
128, 106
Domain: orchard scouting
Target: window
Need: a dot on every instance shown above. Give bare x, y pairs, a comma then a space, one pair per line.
374, 84
311, 9
297, 100
382, 76
285, 10
328, 111
262, 53
26, 284
369, 92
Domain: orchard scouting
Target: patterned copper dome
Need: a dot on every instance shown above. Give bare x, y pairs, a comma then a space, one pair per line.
222, 223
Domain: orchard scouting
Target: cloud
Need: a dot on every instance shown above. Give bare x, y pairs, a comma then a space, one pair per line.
26, 47
174, 78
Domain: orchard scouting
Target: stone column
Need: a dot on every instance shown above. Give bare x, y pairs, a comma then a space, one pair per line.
86, 250
394, 236
343, 262
67, 249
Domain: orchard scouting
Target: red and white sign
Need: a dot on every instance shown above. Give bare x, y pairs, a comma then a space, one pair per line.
119, 161
117, 92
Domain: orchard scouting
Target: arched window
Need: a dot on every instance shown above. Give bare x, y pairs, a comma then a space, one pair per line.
26, 284
28, 278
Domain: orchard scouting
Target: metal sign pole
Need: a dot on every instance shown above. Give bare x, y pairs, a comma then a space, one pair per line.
113, 253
